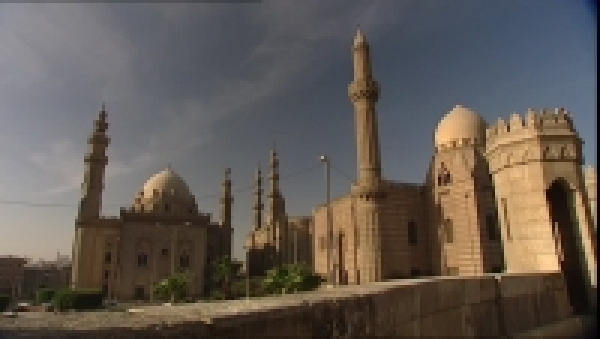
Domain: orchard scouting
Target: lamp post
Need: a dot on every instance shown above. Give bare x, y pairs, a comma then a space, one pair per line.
330, 273
247, 248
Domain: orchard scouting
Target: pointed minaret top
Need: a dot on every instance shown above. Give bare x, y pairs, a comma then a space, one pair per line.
360, 38
103, 107
227, 173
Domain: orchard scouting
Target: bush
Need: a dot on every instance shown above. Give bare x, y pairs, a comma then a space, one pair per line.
4, 301
78, 299
44, 295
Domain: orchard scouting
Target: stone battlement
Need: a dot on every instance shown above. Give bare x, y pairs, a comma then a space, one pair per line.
482, 306
533, 123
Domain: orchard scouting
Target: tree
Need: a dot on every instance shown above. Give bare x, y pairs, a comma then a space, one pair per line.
289, 278
172, 288
225, 271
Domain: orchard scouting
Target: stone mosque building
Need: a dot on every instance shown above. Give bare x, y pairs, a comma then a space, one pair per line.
161, 233
511, 197
507, 197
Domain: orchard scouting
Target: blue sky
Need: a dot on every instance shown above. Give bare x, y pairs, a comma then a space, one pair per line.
210, 86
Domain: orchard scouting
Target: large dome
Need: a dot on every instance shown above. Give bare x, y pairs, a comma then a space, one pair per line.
167, 192
459, 124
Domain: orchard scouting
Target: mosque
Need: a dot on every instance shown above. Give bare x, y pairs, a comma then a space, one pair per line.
508, 197
161, 233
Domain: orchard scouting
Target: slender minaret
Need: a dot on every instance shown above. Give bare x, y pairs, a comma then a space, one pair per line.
273, 195
95, 161
226, 200
364, 94
258, 205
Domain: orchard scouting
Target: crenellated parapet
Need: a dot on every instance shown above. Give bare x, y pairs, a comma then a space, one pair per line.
534, 123
542, 135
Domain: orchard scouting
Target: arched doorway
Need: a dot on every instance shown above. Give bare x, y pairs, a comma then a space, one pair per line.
568, 239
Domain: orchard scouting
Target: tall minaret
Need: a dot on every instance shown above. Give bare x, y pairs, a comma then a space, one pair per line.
273, 195
226, 200
364, 94
258, 205
95, 161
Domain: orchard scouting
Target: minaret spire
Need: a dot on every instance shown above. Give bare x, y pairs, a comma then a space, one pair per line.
95, 161
226, 200
258, 206
274, 186
364, 94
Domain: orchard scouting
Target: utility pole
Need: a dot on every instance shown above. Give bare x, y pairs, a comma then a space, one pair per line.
173, 256
330, 244
295, 230
247, 273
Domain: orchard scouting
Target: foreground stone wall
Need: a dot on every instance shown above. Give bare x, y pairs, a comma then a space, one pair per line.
482, 306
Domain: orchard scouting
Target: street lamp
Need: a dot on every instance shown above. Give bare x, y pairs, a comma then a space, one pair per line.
247, 248
330, 273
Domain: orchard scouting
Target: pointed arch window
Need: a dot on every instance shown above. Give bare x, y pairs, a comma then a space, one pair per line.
184, 261
142, 260
444, 178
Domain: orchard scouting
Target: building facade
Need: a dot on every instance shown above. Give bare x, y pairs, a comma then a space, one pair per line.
45, 274
512, 196
161, 233
12, 275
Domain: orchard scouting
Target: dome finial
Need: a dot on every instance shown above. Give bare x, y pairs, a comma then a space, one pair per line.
359, 38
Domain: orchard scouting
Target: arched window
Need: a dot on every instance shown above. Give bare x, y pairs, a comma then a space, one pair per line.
167, 207
184, 261
448, 231
142, 260
412, 233
444, 178
107, 257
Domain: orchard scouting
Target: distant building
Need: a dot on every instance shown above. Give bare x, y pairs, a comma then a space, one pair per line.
46, 274
12, 275
162, 232
276, 239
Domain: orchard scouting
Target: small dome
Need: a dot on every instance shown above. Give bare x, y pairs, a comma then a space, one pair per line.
165, 191
459, 124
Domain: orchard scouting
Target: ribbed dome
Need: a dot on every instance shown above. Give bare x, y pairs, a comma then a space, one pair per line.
165, 191
458, 124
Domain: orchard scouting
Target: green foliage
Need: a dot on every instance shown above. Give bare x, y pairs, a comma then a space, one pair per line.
77, 299
172, 288
4, 302
44, 295
238, 288
290, 278
224, 272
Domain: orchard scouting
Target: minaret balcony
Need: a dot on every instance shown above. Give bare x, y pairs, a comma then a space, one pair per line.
363, 89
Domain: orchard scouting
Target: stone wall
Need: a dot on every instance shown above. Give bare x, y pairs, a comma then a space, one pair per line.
500, 305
